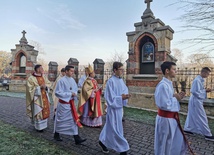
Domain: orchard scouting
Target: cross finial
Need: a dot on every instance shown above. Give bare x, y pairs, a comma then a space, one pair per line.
23, 32
23, 40
148, 3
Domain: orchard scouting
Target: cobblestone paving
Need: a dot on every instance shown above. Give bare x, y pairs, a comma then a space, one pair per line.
140, 136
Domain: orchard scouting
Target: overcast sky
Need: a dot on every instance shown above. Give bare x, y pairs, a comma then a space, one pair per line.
82, 29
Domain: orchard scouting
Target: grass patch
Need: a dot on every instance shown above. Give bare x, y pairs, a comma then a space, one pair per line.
148, 117
139, 115
16, 142
12, 94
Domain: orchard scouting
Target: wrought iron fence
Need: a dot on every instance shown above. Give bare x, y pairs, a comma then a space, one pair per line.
183, 80
185, 77
106, 75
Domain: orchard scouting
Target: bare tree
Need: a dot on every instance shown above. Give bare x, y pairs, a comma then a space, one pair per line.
61, 65
178, 54
5, 59
41, 55
37, 47
116, 56
198, 17
200, 60
43, 62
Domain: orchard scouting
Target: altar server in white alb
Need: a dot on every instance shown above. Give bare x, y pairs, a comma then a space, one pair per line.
169, 139
66, 119
196, 121
53, 87
83, 78
116, 95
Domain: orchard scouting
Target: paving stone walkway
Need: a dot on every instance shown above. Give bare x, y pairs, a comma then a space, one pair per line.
140, 136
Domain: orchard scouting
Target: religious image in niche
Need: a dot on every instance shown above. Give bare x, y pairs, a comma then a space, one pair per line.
148, 52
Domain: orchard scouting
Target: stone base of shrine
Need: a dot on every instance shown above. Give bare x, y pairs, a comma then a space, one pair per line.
17, 86
142, 97
145, 100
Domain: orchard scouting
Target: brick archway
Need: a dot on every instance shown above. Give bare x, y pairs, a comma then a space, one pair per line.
18, 56
137, 50
138, 41
16, 63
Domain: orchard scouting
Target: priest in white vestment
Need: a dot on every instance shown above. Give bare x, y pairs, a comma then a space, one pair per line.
37, 99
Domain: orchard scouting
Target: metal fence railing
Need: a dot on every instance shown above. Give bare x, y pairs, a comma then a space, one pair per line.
185, 77
183, 80
106, 75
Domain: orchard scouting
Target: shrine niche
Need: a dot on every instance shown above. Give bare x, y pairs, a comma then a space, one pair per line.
147, 52
147, 55
22, 62
24, 57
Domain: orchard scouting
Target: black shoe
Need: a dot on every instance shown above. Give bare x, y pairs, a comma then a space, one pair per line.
103, 147
78, 139
188, 132
210, 138
123, 153
39, 130
57, 136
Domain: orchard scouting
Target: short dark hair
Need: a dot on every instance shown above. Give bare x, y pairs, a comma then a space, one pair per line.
36, 67
63, 70
205, 69
167, 65
68, 67
117, 65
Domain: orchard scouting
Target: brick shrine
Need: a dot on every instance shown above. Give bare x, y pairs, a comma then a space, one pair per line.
149, 47
24, 57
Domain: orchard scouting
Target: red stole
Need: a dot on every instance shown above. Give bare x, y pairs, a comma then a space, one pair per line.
95, 104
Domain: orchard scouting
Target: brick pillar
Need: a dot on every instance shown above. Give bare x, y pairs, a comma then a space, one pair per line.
52, 71
99, 70
74, 62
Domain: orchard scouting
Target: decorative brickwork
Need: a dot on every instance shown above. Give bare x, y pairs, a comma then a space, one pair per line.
141, 83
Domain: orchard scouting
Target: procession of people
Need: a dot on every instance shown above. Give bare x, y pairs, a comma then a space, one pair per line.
169, 136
